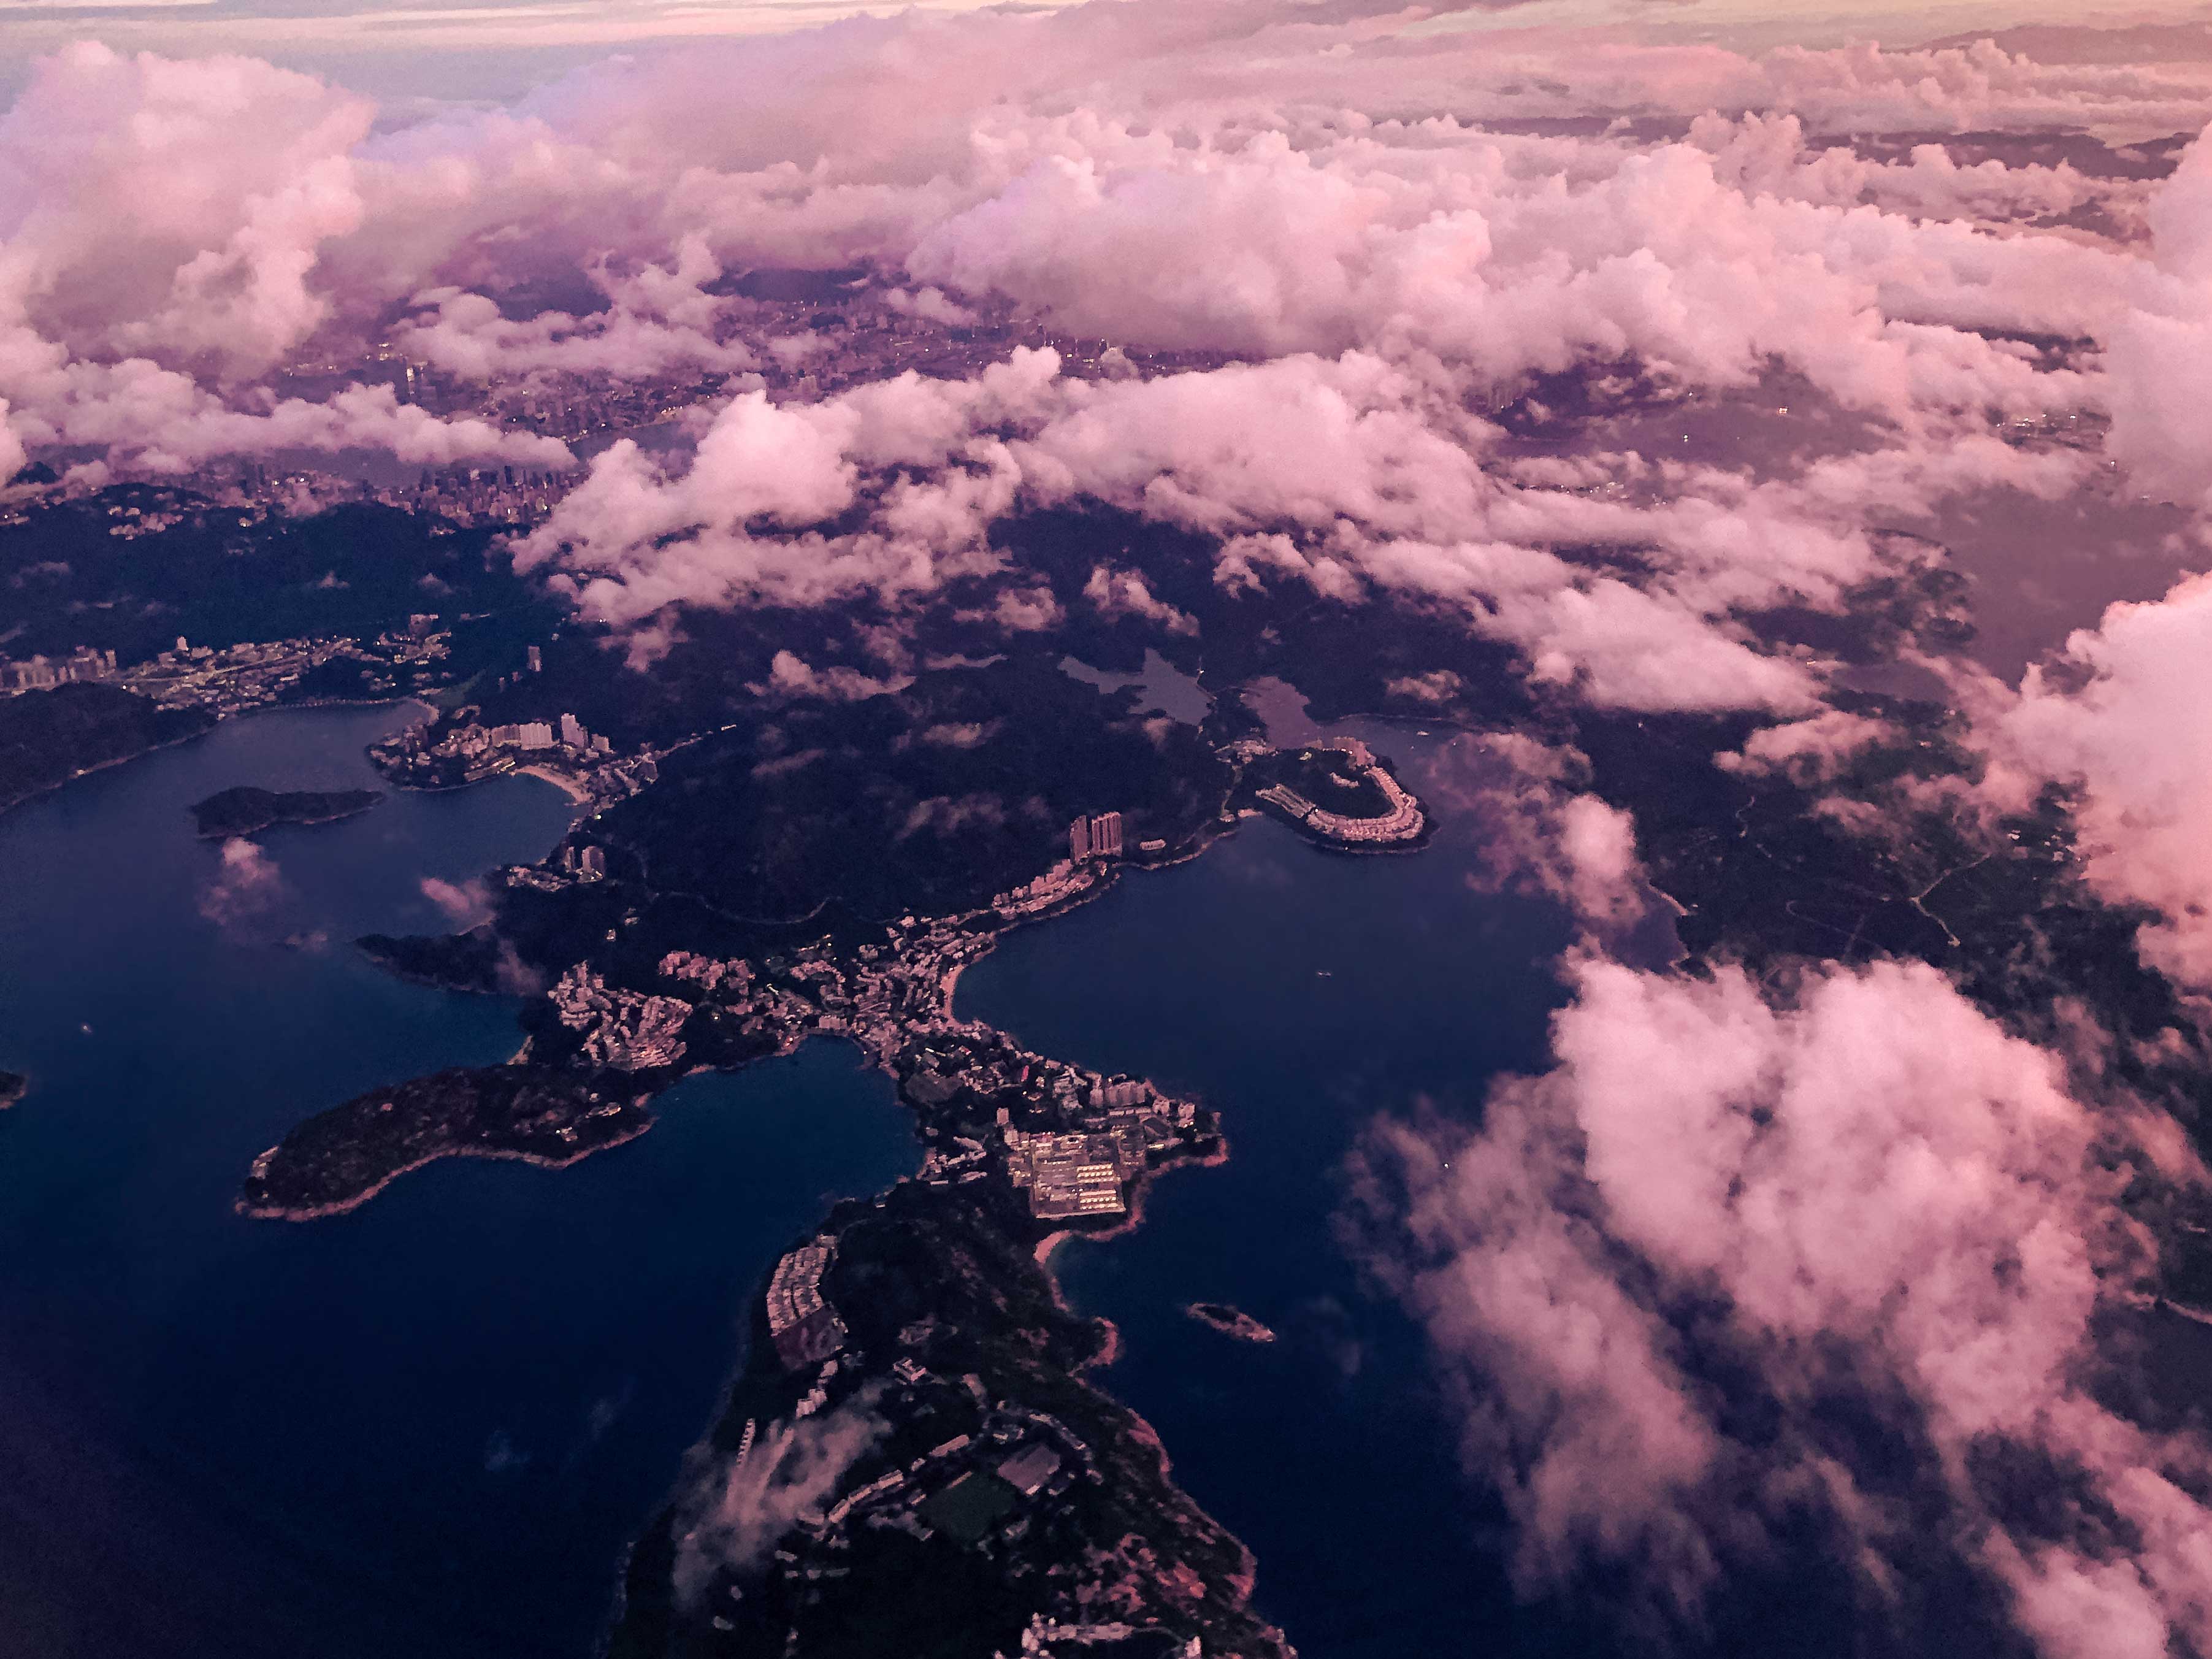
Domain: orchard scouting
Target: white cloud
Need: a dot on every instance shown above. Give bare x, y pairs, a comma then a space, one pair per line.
1722, 1209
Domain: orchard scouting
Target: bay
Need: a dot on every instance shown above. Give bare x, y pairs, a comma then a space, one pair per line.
1301, 992
431, 1425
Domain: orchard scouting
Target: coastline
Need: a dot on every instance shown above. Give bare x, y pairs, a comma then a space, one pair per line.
565, 784
15, 801
323, 1211
215, 720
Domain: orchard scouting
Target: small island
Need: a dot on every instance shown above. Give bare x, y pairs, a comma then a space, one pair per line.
341, 1158
1229, 1321
246, 811
13, 1087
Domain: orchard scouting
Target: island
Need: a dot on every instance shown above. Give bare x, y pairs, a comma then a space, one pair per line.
1229, 1321
14, 1085
339, 1159
246, 811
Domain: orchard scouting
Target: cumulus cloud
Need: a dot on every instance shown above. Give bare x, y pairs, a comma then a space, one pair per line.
1359, 219
1807, 751
2124, 720
739, 1509
2159, 349
1115, 595
1536, 829
947, 815
792, 676
246, 884
464, 904
1704, 1278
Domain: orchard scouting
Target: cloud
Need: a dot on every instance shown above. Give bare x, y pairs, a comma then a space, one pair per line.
1535, 828
1745, 1256
1357, 218
2160, 348
1807, 751
960, 734
1117, 594
464, 904
738, 1510
246, 884
944, 815
2124, 720
791, 676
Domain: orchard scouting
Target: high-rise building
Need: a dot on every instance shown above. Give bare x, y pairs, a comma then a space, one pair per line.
573, 733
1098, 837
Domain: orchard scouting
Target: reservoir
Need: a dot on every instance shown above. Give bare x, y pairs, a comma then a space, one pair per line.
431, 1426
1301, 992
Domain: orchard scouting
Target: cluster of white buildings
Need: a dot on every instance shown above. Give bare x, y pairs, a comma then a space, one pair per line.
1069, 1174
43, 673
1098, 836
709, 973
1403, 822
624, 1031
804, 1327
1064, 881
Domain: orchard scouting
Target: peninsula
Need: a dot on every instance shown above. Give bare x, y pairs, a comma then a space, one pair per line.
246, 811
1336, 792
341, 1158
48, 737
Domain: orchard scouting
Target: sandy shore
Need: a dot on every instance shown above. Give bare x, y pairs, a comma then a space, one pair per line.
566, 785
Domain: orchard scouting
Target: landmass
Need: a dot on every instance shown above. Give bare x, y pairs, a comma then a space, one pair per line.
993, 1500
14, 1085
1229, 1321
48, 737
338, 1159
765, 866
1336, 792
246, 811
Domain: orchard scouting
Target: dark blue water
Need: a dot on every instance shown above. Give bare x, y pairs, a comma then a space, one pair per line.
430, 1427
1301, 992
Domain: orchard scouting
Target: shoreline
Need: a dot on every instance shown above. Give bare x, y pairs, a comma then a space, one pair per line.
568, 786
9, 804
346, 1206
213, 723
280, 824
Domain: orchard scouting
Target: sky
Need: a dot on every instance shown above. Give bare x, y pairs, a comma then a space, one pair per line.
498, 49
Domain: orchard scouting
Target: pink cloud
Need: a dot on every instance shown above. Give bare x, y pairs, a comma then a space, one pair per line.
1861, 1184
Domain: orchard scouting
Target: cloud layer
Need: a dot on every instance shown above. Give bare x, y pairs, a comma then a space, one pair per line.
1739, 1261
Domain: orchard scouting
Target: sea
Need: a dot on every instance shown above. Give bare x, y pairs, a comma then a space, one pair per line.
432, 1426
1303, 992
